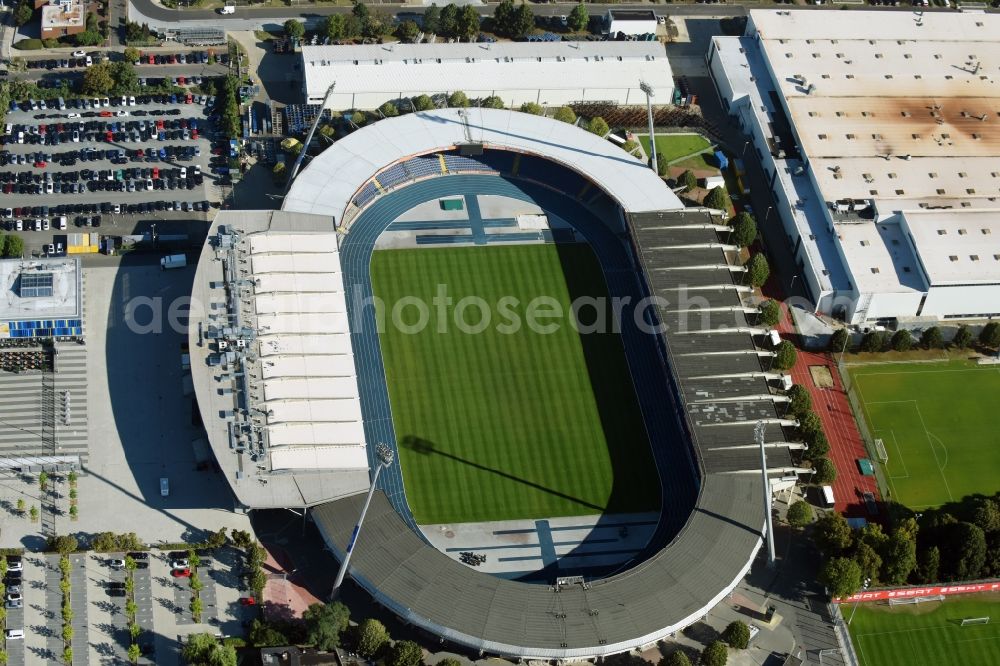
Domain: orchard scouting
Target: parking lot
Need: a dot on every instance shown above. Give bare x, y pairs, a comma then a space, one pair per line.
106, 159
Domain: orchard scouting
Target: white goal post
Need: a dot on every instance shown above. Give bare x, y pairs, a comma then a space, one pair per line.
975, 620
880, 451
915, 600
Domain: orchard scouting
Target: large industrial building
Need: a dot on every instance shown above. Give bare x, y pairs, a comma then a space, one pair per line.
879, 133
288, 373
546, 73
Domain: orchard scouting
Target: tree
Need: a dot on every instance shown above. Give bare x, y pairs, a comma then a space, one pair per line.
676, 658
785, 355
758, 270
662, 165
408, 31
809, 425
265, 635
928, 564
578, 18
492, 102
325, 623
986, 516
217, 539
963, 551
205, 649
819, 446
131, 55
688, 180
532, 108
34, 513
931, 338
404, 653
825, 471
334, 26
744, 229
98, 80
503, 17
598, 126
423, 103
43, 481
20, 505
963, 337
714, 655
800, 514
448, 21
360, 12
770, 314
432, 20
841, 576
389, 110
869, 561
565, 114
717, 198
372, 637
134, 652
801, 400
458, 100
523, 21
24, 12
990, 335
467, 23
901, 341
295, 29
832, 534
839, 340
737, 634
873, 341
63, 544
378, 24
899, 558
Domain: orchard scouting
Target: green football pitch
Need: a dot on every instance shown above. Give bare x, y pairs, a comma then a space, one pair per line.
502, 424
940, 428
927, 633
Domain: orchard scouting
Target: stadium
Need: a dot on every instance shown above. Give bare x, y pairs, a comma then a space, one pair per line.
298, 379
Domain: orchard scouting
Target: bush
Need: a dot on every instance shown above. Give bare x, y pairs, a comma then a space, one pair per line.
841, 576
737, 634
458, 99
744, 229
800, 514
770, 313
61, 544
404, 653
786, 355
630, 147
873, 341
532, 108
758, 270
677, 658
931, 338
492, 102
598, 126
963, 337
901, 341
565, 114
715, 654
840, 340
423, 103
662, 165
818, 446
718, 199
389, 110
688, 180
372, 637
990, 335
801, 401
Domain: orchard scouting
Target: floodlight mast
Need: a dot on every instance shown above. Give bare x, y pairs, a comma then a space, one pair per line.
385, 458
309, 137
648, 89
758, 434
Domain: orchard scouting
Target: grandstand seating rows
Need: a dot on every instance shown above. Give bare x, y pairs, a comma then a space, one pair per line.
496, 162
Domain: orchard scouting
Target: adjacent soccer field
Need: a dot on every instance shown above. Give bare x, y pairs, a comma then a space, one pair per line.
940, 427
504, 425
928, 633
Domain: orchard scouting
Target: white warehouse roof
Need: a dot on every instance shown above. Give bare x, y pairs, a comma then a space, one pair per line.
606, 70
334, 176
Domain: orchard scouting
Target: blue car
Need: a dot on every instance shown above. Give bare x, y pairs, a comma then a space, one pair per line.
173, 99
163, 154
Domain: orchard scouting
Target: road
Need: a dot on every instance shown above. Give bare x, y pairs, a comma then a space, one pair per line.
249, 19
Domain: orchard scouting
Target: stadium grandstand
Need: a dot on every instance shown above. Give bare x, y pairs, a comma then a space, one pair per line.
703, 381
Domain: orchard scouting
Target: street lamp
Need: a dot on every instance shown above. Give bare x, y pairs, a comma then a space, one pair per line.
385, 457
309, 136
646, 88
758, 434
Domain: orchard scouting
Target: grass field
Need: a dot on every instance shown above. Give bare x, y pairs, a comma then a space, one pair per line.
939, 426
675, 146
499, 426
927, 633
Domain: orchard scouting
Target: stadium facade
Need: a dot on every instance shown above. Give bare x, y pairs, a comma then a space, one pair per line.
879, 135
274, 283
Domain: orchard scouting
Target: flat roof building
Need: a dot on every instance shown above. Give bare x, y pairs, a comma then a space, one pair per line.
631, 21
63, 17
877, 131
546, 73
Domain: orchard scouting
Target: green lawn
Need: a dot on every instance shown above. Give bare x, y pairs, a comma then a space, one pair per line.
940, 428
675, 146
927, 633
503, 425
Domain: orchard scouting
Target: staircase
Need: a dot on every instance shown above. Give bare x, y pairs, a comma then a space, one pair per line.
47, 414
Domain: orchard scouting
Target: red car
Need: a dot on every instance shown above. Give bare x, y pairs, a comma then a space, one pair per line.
40, 164
156, 173
152, 59
105, 114
194, 134
180, 573
42, 129
109, 136
248, 601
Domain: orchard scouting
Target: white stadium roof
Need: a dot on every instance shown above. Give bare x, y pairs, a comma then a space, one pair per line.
334, 176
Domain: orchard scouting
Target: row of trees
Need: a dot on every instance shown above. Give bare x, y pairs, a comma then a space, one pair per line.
110, 78
930, 338
228, 105
954, 543
810, 431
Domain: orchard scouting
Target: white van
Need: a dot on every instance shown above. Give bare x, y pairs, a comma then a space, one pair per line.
14, 634
164, 487
827, 492
228, 9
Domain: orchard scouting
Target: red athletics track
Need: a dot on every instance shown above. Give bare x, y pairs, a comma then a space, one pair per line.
834, 410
